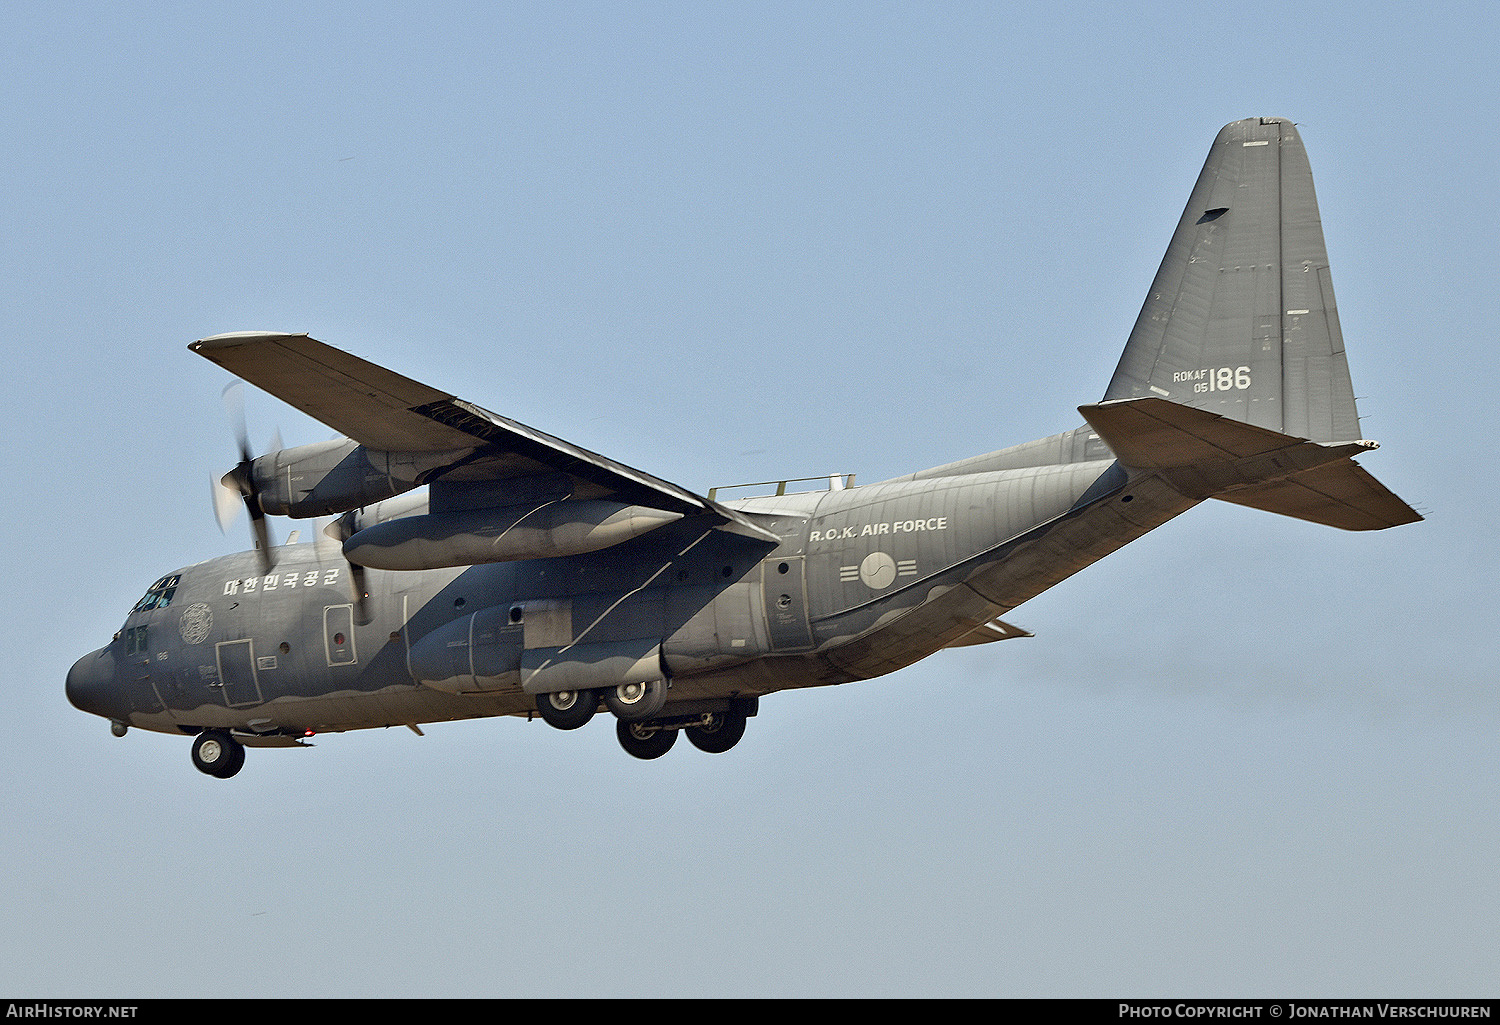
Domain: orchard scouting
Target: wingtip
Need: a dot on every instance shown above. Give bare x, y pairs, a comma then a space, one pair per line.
236, 338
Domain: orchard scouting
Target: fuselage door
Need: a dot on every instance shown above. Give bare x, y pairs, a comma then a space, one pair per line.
338, 634
785, 587
237, 672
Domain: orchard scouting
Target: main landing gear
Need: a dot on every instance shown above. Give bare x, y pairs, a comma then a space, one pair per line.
644, 741
218, 754
714, 732
570, 709
643, 726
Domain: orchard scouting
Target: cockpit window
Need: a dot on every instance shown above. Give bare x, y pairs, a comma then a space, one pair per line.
135, 640
160, 594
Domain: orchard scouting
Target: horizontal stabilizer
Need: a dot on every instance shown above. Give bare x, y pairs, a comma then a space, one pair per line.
1341, 494
1205, 455
1154, 434
994, 630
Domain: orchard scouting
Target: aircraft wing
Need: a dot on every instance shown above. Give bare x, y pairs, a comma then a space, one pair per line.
387, 412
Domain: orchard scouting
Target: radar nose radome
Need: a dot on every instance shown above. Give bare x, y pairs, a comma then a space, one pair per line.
91, 686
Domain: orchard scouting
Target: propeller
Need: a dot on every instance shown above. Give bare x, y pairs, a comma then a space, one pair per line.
336, 532
239, 483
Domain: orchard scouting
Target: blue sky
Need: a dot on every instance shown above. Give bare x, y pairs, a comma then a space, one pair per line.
1244, 756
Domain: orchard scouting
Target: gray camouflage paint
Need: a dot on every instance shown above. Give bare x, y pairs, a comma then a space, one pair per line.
735, 600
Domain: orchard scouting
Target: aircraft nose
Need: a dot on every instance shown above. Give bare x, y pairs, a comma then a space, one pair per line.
91, 685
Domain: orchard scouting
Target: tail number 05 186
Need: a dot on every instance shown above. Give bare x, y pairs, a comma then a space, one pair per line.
1224, 379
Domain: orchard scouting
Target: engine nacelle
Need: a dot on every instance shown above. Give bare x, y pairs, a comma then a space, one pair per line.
416, 503
330, 477
472, 536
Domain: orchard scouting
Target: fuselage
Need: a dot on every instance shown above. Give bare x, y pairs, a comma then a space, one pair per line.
864, 580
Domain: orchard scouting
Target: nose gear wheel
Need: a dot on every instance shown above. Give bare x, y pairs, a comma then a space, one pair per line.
218, 754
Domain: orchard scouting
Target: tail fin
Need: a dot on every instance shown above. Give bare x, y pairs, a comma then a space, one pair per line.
1241, 318
1241, 327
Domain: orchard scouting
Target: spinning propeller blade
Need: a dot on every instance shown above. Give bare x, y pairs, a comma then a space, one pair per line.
241, 480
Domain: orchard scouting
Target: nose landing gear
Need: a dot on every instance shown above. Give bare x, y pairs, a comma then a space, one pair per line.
218, 754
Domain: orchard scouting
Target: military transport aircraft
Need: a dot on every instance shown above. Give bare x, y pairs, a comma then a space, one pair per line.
479, 567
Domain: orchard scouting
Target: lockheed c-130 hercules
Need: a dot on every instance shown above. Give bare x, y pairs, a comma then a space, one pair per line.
478, 567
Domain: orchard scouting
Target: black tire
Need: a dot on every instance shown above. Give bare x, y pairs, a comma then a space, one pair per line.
218, 754
236, 760
635, 701
722, 733
568, 709
643, 741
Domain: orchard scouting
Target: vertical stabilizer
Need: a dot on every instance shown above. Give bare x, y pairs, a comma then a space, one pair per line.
1241, 319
